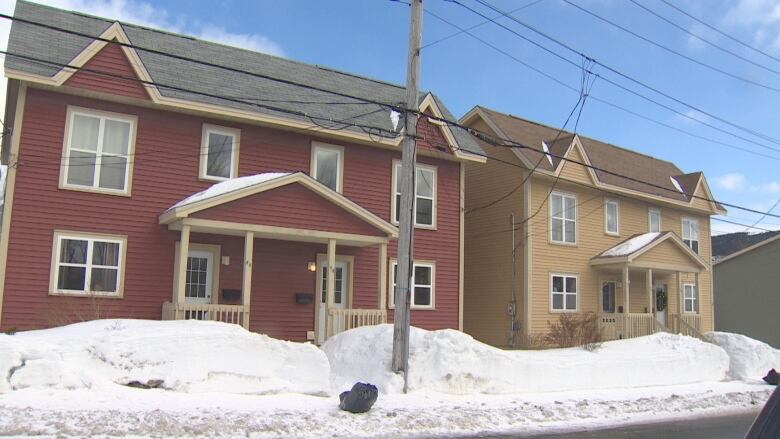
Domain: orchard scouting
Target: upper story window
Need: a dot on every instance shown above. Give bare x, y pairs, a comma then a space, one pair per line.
327, 165
612, 220
690, 233
422, 284
219, 153
654, 219
424, 196
97, 147
563, 218
87, 264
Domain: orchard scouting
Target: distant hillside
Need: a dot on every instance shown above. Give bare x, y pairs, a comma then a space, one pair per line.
724, 245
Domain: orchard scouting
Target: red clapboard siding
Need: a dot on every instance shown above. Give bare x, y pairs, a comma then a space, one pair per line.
289, 206
112, 61
431, 136
165, 171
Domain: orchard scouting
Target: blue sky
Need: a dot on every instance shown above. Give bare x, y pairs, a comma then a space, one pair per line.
369, 37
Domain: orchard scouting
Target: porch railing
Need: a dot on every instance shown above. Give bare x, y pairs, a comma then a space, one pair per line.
340, 320
236, 314
690, 325
617, 326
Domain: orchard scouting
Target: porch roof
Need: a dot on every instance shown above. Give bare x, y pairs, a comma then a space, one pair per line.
659, 250
278, 205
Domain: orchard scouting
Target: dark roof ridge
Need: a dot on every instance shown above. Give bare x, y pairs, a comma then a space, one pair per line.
582, 136
193, 38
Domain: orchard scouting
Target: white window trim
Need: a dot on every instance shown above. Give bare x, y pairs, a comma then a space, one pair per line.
576, 293
698, 228
576, 223
204, 151
65, 162
59, 235
650, 212
695, 298
391, 286
393, 194
606, 217
315, 146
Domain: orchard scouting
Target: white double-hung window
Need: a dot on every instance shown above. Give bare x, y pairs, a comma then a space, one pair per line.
327, 163
691, 298
563, 292
612, 217
87, 264
424, 195
654, 219
690, 233
422, 287
97, 149
219, 153
563, 218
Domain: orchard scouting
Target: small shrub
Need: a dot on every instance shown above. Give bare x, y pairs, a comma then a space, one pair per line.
572, 330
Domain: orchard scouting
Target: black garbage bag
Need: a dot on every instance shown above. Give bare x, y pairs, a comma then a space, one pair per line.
359, 399
772, 377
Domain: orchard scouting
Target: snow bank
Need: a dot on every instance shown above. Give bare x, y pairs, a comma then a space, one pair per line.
188, 356
749, 358
449, 361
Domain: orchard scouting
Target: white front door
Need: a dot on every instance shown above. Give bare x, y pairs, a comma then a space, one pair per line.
341, 294
661, 303
198, 281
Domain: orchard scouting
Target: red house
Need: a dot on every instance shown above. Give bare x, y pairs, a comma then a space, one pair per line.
153, 175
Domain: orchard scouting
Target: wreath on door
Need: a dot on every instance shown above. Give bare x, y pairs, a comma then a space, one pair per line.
660, 299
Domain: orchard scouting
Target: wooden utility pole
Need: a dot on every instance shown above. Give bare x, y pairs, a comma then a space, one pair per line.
406, 182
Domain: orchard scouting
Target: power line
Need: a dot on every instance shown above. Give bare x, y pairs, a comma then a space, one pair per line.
764, 216
678, 53
484, 136
730, 37
608, 103
611, 69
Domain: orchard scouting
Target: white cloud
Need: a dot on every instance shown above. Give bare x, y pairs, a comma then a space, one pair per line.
731, 182
760, 17
255, 42
691, 116
772, 187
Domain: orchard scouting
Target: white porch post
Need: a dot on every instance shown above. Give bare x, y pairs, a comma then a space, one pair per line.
698, 294
626, 288
181, 270
331, 285
383, 276
246, 284
649, 281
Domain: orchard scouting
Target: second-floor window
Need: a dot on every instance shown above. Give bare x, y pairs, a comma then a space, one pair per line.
563, 218
97, 149
424, 196
326, 165
219, 153
612, 220
654, 220
690, 233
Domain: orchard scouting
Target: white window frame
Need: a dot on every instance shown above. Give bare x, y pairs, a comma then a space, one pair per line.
693, 299
687, 231
59, 236
564, 293
650, 212
72, 111
615, 232
204, 151
563, 230
394, 194
391, 281
317, 146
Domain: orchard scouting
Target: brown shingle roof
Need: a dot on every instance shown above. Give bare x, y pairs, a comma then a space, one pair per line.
610, 158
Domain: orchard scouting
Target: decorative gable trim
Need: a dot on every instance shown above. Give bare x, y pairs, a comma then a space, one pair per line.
667, 236
429, 103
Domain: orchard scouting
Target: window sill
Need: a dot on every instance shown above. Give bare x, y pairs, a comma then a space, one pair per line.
564, 311
615, 234
214, 179
562, 243
415, 308
93, 190
87, 294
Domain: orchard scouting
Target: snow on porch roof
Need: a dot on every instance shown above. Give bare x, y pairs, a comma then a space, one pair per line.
228, 186
631, 245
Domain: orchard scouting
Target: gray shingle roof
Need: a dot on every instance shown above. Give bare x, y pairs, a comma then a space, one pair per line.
61, 48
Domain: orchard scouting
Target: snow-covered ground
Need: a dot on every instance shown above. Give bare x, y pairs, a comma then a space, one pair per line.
222, 381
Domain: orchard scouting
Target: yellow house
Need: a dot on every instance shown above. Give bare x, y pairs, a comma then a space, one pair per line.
636, 251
